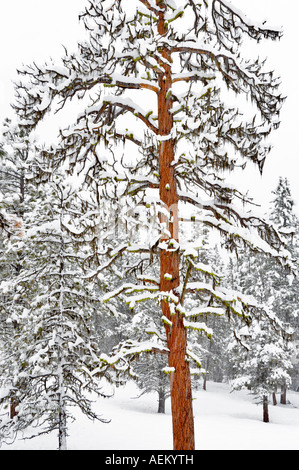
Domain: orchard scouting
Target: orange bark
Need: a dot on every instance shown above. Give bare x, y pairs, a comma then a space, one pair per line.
181, 393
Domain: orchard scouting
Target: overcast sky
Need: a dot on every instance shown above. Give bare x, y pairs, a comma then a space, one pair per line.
33, 30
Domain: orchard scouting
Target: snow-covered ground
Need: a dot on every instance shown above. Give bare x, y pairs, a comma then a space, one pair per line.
223, 421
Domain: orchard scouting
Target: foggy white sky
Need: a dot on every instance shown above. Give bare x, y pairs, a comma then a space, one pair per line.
32, 30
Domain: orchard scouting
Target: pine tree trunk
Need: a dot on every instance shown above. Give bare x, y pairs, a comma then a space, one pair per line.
62, 418
274, 399
206, 370
13, 405
162, 393
265, 409
283, 395
181, 395
161, 402
62, 429
205, 378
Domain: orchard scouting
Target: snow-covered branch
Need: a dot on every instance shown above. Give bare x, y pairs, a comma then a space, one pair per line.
152, 6
241, 78
125, 104
230, 21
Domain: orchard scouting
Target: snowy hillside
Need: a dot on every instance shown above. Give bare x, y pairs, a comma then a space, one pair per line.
223, 421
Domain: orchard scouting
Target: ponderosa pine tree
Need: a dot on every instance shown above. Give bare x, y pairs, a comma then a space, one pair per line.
150, 78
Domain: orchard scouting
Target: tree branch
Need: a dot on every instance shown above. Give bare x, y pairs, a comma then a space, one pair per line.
132, 83
126, 107
214, 57
192, 76
150, 7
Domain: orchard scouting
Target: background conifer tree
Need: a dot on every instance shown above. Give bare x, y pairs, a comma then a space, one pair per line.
50, 356
271, 283
264, 365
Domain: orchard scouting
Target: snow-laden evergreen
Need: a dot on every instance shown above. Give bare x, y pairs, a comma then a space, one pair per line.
265, 365
49, 357
269, 365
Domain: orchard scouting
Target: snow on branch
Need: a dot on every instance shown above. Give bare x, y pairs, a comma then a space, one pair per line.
123, 354
147, 292
46, 82
192, 76
123, 81
199, 326
151, 5
240, 77
251, 238
198, 311
250, 228
230, 21
127, 105
192, 356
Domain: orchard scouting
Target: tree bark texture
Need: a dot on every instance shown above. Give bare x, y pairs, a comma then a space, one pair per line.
181, 393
